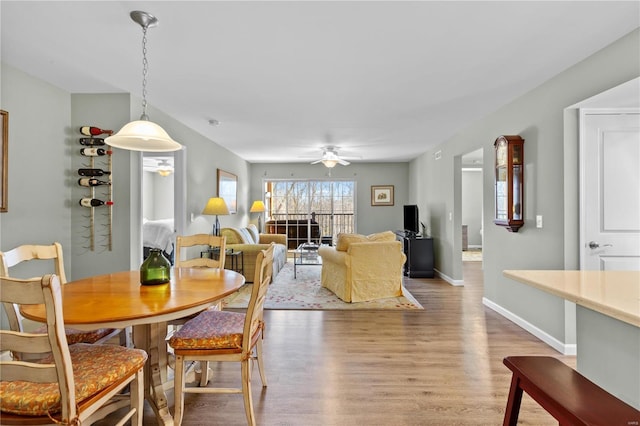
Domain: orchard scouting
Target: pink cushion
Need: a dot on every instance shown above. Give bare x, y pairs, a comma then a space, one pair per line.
210, 330
95, 367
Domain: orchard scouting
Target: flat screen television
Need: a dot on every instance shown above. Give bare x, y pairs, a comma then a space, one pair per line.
411, 221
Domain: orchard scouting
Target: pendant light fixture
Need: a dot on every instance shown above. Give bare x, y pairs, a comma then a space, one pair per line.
143, 135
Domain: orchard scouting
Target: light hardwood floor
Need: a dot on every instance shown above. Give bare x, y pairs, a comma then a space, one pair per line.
440, 366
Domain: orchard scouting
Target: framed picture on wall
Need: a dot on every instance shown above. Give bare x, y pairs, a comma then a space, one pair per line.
382, 195
228, 189
4, 163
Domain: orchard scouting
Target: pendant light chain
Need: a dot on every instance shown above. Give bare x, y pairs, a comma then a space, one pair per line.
143, 134
145, 69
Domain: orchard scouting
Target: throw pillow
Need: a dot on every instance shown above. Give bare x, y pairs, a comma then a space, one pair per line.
382, 236
246, 236
253, 230
344, 240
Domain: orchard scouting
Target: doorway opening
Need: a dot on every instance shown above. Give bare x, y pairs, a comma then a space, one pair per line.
163, 201
471, 206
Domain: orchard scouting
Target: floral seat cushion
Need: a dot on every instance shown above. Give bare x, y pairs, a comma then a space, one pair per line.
81, 336
210, 330
94, 368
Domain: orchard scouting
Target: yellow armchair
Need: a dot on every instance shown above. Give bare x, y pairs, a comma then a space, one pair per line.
362, 267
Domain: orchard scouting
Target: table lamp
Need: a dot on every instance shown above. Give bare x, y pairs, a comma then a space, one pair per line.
216, 206
258, 207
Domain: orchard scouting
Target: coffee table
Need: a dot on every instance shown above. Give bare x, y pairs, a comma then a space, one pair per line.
305, 255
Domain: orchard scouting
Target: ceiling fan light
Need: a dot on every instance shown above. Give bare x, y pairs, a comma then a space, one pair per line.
330, 163
143, 135
164, 172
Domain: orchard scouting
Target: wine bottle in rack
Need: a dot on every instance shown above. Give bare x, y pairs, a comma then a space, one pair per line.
92, 182
93, 172
94, 202
92, 141
94, 131
95, 152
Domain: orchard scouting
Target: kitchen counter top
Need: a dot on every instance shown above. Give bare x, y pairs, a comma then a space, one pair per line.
612, 293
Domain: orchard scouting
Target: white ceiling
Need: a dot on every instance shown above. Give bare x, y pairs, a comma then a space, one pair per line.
382, 81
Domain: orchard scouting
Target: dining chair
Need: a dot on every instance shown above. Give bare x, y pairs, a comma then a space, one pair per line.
42, 254
225, 336
68, 384
214, 245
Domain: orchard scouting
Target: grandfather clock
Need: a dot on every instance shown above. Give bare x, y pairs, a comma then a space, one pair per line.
509, 182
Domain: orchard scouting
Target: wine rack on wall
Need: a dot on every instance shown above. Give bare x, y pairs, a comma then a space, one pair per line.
95, 176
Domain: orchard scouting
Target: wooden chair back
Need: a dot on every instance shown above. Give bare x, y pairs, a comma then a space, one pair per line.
45, 290
25, 253
41, 256
255, 311
210, 241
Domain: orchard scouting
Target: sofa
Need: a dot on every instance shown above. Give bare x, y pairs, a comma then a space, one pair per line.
250, 242
361, 268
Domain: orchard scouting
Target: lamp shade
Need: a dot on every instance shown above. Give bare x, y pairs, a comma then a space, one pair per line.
330, 163
143, 135
216, 206
257, 207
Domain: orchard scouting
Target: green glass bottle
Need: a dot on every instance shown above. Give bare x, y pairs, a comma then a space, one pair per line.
156, 269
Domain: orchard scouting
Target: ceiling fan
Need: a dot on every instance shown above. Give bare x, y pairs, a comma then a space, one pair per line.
330, 158
161, 165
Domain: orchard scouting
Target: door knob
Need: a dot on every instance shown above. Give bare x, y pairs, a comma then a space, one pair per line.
595, 245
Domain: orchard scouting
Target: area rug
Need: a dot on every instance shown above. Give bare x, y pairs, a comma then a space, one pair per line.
305, 293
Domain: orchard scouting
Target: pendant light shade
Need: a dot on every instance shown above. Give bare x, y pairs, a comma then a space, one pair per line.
143, 135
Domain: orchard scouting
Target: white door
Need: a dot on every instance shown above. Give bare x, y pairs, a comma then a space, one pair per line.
610, 190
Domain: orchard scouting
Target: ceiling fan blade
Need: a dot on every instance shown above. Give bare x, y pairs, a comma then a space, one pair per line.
343, 162
317, 161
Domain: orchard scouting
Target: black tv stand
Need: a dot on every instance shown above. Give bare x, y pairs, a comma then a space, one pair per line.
419, 252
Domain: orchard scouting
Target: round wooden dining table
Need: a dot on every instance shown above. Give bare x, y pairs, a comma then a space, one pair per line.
118, 300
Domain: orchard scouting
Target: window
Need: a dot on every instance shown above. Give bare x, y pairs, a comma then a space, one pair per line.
330, 203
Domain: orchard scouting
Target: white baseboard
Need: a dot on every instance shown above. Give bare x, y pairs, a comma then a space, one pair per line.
563, 348
449, 279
